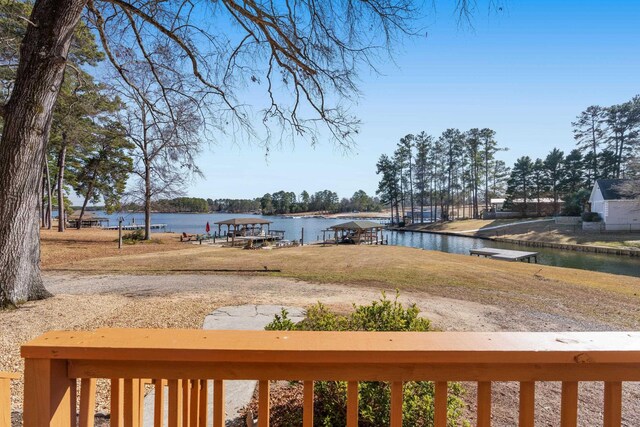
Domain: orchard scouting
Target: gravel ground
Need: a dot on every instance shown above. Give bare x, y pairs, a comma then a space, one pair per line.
85, 302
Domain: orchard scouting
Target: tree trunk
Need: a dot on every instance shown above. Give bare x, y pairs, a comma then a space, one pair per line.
486, 181
27, 121
147, 201
86, 200
49, 194
88, 195
411, 185
61, 161
43, 209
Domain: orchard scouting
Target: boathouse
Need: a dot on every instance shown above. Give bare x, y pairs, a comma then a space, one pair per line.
249, 229
356, 232
89, 219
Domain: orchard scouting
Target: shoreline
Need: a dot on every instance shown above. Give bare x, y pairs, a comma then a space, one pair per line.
576, 247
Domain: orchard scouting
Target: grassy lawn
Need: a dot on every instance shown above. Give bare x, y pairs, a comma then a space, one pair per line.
597, 296
76, 245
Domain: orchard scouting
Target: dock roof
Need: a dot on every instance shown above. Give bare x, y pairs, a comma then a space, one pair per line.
243, 221
357, 225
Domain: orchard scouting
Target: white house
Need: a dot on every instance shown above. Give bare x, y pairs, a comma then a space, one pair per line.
616, 211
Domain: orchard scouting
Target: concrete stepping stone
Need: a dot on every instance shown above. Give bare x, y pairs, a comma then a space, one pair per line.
238, 394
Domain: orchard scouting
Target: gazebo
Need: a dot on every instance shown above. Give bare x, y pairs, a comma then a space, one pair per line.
357, 232
244, 227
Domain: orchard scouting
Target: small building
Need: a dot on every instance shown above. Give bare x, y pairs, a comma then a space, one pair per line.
89, 219
618, 213
356, 232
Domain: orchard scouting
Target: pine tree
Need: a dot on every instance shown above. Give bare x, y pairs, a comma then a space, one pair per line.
553, 165
520, 184
589, 134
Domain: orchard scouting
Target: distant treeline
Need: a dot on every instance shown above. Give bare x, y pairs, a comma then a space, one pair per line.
284, 202
281, 202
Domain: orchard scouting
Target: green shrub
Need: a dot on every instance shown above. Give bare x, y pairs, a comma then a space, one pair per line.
134, 236
374, 397
591, 217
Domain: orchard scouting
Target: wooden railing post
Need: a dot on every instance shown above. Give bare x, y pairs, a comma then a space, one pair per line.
5, 397
307, 409
527, 403
396, 404
175, 403
612, 404
352, 404
204, 399
219, 414
47, 393
158, 404
440, 406
569, 404
484, 404
87, 401
263, 403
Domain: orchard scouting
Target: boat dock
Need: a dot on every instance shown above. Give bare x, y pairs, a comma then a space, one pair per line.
505, 254
136, 227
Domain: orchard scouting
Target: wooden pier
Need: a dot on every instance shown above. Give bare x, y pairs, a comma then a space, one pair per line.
136, 227
505, 254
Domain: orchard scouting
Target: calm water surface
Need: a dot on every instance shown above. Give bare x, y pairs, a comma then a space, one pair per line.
195, 223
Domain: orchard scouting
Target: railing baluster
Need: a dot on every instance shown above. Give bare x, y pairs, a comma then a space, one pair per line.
195, 402
352, 404
396, 404
131, 402
5, 402
569, 405
263, 404
527, 403
117, 402
440, 416
204, 393
484, 404
186, 398
307, 410
175, 403
612, 404
219, 414
158, 404
87, 402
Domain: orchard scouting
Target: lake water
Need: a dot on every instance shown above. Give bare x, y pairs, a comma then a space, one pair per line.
195, 223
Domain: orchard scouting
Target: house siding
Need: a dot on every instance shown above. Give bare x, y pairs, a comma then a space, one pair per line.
622, 215
617, 215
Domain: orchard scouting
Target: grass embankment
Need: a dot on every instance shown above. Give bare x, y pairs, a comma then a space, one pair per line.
544, 231
76, 245
594, 296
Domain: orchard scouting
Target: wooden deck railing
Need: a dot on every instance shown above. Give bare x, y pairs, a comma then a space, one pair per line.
5, 397
187, 360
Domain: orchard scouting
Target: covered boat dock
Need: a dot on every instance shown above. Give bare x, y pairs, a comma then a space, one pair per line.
252, 230
355, 233
89, 219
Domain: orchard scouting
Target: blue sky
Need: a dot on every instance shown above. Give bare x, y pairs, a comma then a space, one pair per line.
525, 71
